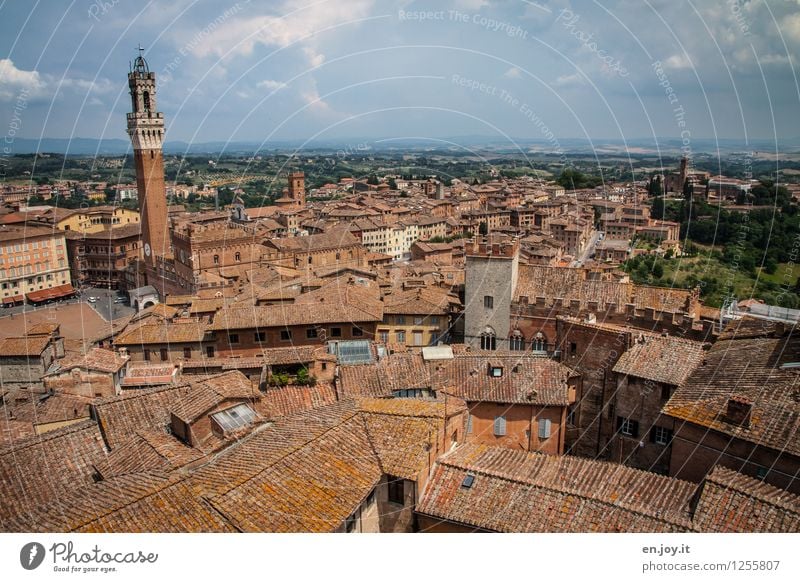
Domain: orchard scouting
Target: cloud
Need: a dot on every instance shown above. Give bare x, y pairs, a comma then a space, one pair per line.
296, 24
568, 80
790, 26
14, 82
677, 62
271, 85
512, 73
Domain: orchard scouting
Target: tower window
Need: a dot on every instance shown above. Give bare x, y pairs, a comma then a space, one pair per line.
216, 259
146, 100
488, 301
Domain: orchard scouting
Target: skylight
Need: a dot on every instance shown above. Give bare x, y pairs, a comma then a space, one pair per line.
233, 418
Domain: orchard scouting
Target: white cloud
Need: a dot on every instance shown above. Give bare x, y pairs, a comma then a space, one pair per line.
568, 80
271, 85
14, 82
677, 62
790, 26
512, 73
295, 24
471, 4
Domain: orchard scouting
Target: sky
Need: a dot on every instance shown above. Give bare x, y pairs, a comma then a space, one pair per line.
312, 70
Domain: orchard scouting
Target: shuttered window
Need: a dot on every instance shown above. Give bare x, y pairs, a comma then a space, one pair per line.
499, 425
544, 428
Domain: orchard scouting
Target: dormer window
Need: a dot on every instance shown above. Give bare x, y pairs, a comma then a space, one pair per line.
495, 371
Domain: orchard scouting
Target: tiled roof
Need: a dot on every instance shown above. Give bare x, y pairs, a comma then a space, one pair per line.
332, 239
747, 367
48, 408
41, 469
394, 372
162, 333
210, 392
23, 346
142, 502
515, 491
661, 359
288, 400
119, 417
525, 379
268, 316
732, 502
96, 359
147, 451
422, 301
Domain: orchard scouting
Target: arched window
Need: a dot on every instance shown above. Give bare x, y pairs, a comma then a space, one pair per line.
216, 259
238, 257
146, 100
539, 343
488, 339
516, 341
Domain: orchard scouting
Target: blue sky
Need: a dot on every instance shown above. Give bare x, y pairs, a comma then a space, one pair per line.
325, 69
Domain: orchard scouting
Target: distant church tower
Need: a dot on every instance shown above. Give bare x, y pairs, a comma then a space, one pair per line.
146, 129
297, 188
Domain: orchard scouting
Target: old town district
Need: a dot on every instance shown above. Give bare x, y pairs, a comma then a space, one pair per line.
431, 358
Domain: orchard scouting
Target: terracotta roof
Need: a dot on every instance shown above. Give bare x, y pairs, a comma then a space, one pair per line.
751, 368
147, 451
525, 379
142, 502
163, 333
332, 239
422, 301
97, 359
23, 346
394, 372
661, 359
732, 502
515, 491
43, 328
321, 312
288, 400
41, 469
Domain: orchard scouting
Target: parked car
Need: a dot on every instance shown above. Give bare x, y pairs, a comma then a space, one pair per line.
92, 299
121, 300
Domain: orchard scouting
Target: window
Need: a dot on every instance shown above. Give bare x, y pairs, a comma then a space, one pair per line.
468, 481
488, 340
573, 348
434, 320
286, 335
260, 336
417, 335
164, 354
234, 417
400, 319
233, 338
544, 428
499, 426
187, 353
488, 302
357, 331
209, 351
383, 335
572, 417
660, 435
627, 427
418, 320
516, 342
216, 259
469, 424
496, 372
336, 332
539, 343
395, 488
665, 392
401, 337
311, 333
146, 354
370, 498
309, 260
237, 257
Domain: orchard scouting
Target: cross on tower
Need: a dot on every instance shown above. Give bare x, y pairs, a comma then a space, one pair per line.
141, 50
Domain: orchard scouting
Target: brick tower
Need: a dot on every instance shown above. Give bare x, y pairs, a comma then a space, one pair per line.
297, 188
146, 128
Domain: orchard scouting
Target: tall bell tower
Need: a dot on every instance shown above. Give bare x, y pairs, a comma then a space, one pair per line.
146, 129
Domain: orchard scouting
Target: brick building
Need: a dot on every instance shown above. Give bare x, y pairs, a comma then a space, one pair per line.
740, 407
99, 258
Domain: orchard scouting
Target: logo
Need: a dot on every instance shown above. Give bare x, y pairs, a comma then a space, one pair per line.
31, 555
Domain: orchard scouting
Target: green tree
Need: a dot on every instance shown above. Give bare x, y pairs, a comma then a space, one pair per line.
483, 228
